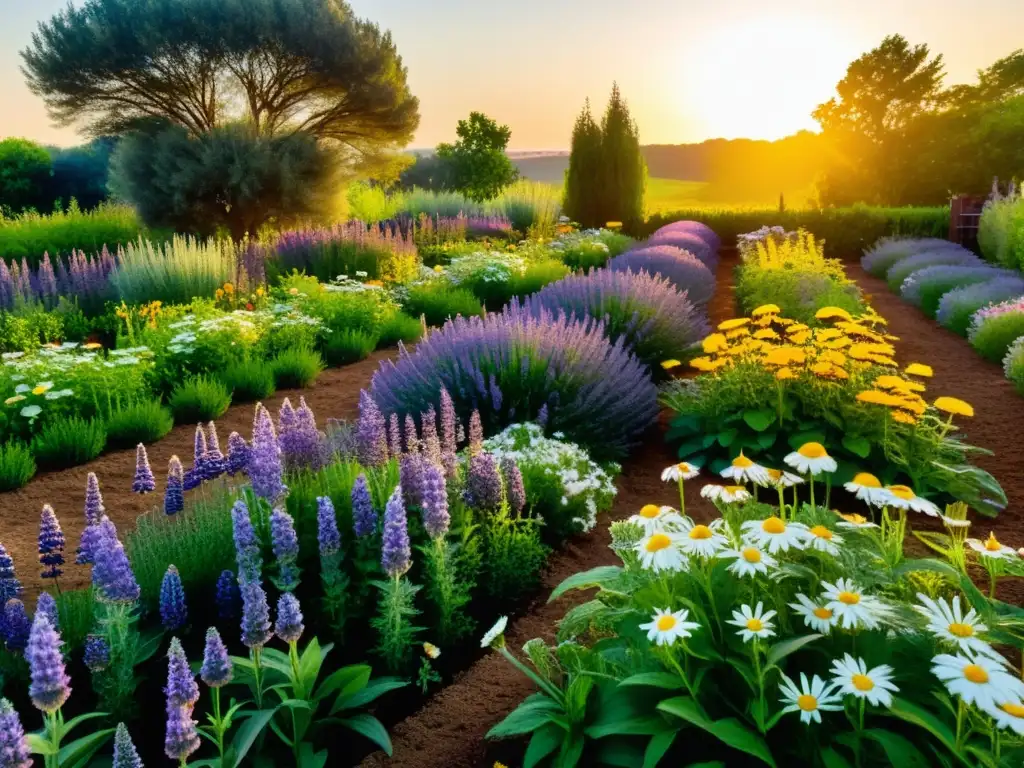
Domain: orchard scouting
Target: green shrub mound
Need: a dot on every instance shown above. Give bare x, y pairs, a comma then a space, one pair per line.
143, 422
249, 381
68, 442
440, 302
17, 466
994, 336
296, 368
348, 346
200, 398
399, 327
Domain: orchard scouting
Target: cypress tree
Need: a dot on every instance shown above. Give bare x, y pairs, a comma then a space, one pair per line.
624, 173
584, 175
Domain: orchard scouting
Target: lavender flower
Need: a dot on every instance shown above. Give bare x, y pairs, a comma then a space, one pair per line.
50, 686
373, 447
687, 243
238, 454
958, 306
16, 626
476, 433
327, 533
93, 512
483, 486
396, 555
514, 489
217, 669
227, 597
247, 544
435, 502
394, 436
285, 416
542, 416
431, 441
265, 459
701, 230
681, 268
255, 616
902, 270
410, 472
97, 653
412, 440
181, 739
112, 575
46, 605
215, 464
144, 481
196, 473
449, 446
125, 754
9, 584
51, 543
174, 496
285, 545
364, 516
289, 618
182, 694
14, 749
301, 443
173, 611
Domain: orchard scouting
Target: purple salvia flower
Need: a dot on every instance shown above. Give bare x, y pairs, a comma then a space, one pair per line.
238, 454
285, 545
217, 669
285, 416
247, 544
495, 391
173, 611
174, 495
50, 686
396, 556
410, 472
14, 749
215, 463
182, 694
435, 502
6, 287
47, 281
144, 481
683, 269
97, 653
255, 616
289, 618
364, 516
196, 473
227, 597
93, 512
125, 754
9, 584
483, 485
327, 535
514, 489
301, 442
112, 575
51, 543
431, 442
394, 436
46, 605
412, 440
16, 625
373, 447
542, 417
265, 469
476, 434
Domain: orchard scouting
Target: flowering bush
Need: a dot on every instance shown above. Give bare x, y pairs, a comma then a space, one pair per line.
680, 268
703, 231
1001, 230
994, 329
905, 268
688, 242
748, 243
926, 287
589, 247
959, 305
1013, 364
888, 251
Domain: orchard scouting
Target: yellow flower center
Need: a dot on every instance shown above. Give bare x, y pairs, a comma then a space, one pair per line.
684, 467
862, 682
650, 511
849, 598
751, 555
812, 451
700, 532
658, 542
665, 623
1016, 710
992, 544
975, 674
734, 489
901, 492
807, 703
823, 613
773, 525
867, 480
961, 630
742, 462
822, 532
755, 625
39, 390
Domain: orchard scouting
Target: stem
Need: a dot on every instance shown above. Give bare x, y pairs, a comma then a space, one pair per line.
53, 731
810, 480
860, 732
960, 712
682, 498
756, 651
220, 725
544, 685
828, 490
258, 674
992, 583
673, 662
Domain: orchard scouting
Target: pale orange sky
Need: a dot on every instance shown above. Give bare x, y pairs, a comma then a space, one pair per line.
690, 70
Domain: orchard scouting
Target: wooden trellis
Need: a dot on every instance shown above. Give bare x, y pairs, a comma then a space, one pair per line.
964, 217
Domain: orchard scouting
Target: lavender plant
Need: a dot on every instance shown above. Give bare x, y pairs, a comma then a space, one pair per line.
396, 607
215, 463
688, 243
194, 477
888, 251
93, 512
15, 625
46, 605
285, 545
371, 433
685, 271
227, 597
182, 738
125, 754
905, 268
265, 467
51, 545
173, 610
217, 671
926, 287
14, 748
247, 545
144, 482
958, 306
333, 577
701, 230
238, 454
174, 494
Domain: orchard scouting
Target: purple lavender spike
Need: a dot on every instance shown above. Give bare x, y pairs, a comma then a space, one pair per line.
238, 454
396, 556
373, 449
514, 489
174, 495
144, 481
51, 543
476, 434
265, 468
215, 463
364, 516
435, 502
394, 436
50, 686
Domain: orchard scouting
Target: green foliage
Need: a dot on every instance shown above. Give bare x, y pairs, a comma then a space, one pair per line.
25, 170
296, 367
993, 337
531, 207
1013, 366
199, 399
1001, 232
371, 203
480, 167
17, 466
68, 441
249, 380
76, 616
145, 421
586, 253
399, 327
393, 622
348, 346
583, 177
173, 272
438, 301
799, 293
30, 235
25, 331
514, 555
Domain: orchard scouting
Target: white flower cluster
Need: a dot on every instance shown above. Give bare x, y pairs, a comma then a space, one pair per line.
488, 266
585, 239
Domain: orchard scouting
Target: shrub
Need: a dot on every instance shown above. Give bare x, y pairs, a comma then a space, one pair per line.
688, 242
30, 235
145, 421
703, 231
296, 368
249, 380
1001, 232
957, 306
881, 257
495, 294
348, 346
945, 256
511, 365
17, 466
591, 248
174, 272
682, 269
439, 302
399, 327
926, 287
1013, 365
798, 293
383, 252
529, 205
656, 320
994, 335
68, 442
200, 398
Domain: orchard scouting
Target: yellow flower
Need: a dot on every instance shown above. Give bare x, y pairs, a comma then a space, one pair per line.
913, 404
828, 334
14, 399
903, 417
875, 397
785, 356
766, 333
841, 343
800, 338
613, 225
438, 268
729, 325
919, 369
229, 288
738, 333
670, 364
797, 328
219, 294
827, 370
293, 291
706, 364
896, 383
954, 406
431, 650
93, 345
259, 291
832, 313
831, 356
784, 374
783, 321
41, 389
716, 342
766, 309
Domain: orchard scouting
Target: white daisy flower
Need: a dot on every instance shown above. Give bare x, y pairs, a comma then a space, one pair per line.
855, 522
816, 615
659, 551
948, 623
680, 471
775, 535
977, 680
824, 540
743, 470
852, 607
702, 540
653, 518
1008, 716
991, 547
666, 627
854, 678
750, 561
729, 494
868, 489
903, 497
811, 459
494, 633
753, 623
778, 478
810, 699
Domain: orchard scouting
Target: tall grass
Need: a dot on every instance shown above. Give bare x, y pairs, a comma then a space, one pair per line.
530, 205
30, 235
174, 272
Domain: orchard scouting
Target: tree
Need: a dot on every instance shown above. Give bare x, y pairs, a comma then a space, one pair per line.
581, 201
624, 173
81, 173
479, 166
25, 171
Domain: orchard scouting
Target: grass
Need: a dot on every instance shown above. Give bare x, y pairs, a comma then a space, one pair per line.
30, 235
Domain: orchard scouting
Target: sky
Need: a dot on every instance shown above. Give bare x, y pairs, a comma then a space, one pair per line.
689, 69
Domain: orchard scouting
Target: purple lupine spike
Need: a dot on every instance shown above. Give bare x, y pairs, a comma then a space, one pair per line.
435, 502
396, 555
112, 575
215, 463
265, 469
542, 416
483, 485
94, 508
394, 436
144, 481
6, 287
51, 543
431, 442
125, 754
16, 625
47, 605
285, 416
301, 442
50, 686
173, 610
514, 488
285, 545
289, 618
227, 596
97, 653
412, 440
182, 739
238, 454
14, 748
327, 534
217, 669
9, 584
495, 391
410, 472
476, 434
174, 495
247, 544
373, 447
364, 516
448, 422
195, 475
255, 616
47, 281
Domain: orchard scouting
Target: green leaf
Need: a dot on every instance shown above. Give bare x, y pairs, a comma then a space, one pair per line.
310, 759
246, 734
759, 420
690, 447
832, 759
767, 439
857, 445
898, 749
726, 437
644, 725
372, 691
310, 661
370, 727
684, 424
348, 680
79, 751
779, 651
729, 731
655, 680
915, 715
571, 752
70, 725
657, 747
928, 564
595, 577
38, 745
621, 753
535, 712
544, 741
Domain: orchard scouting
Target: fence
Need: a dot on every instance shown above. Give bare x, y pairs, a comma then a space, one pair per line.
964, 217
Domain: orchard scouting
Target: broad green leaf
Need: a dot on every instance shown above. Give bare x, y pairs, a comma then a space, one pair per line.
370, 727
79, 751
657, 747
727, 437
832, 759
802, 438
373, 690
595, 577
246, 735
759, 420
857, 445
685, 424
915, 715
645, 725
928, 564
544, 741
347, 680
655, 680
149, 645
310, 759
729, 731
686, 708
70, 725
528, 716
898, 749
779, 651
621, 753
38, 745
571, 752
767, 439
691, 447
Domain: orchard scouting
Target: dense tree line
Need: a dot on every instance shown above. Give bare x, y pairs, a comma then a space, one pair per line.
38, 178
